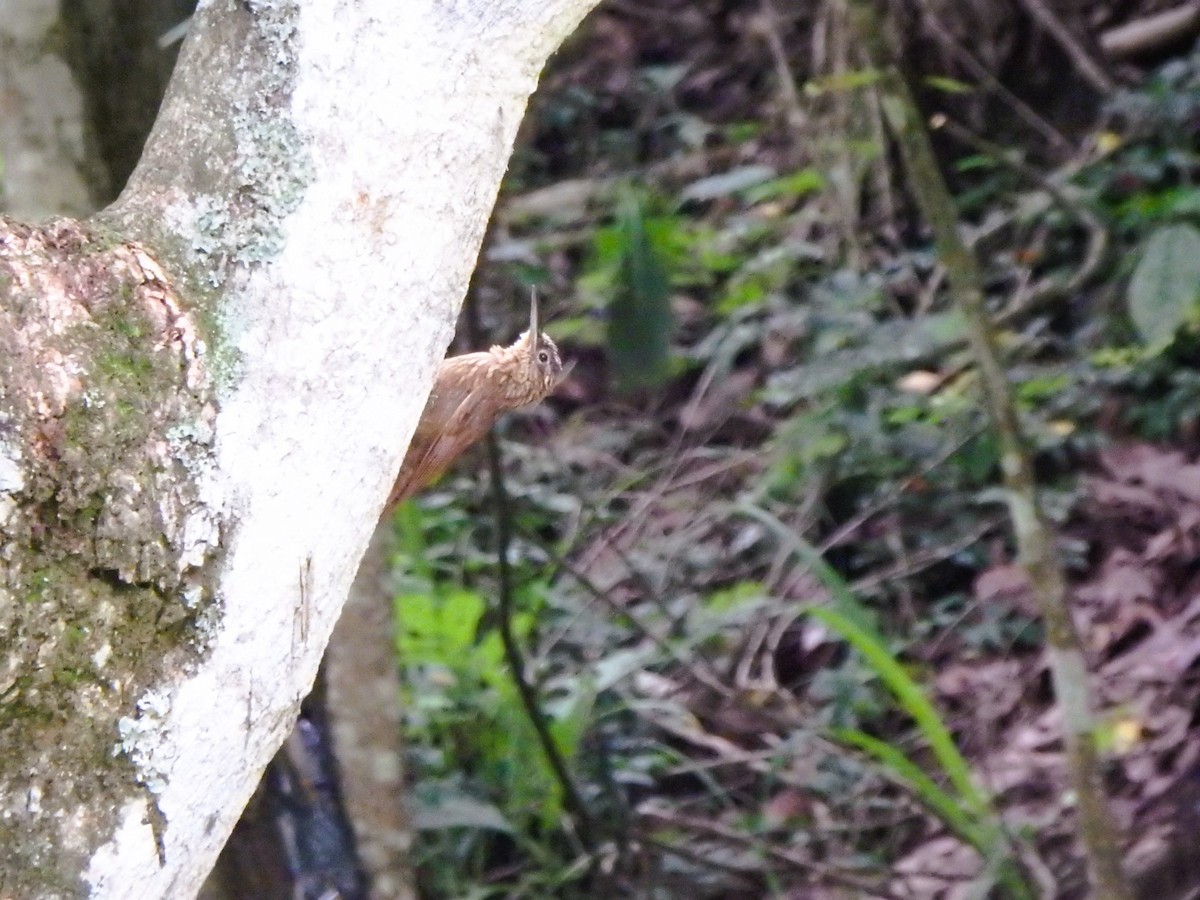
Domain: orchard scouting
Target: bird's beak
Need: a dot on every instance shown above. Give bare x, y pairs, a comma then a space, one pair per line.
562, 375
535, 332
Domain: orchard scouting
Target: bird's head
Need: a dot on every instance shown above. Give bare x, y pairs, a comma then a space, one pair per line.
544, 367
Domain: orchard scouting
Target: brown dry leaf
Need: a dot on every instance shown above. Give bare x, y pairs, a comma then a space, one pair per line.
786, 806
1123, 579
1164, 545
1028, 760
1001, 582
1142, 462
1122, 495
1180, 540
942, 868
991, 691
1187, 482
1163, 657
722, 400
1165, 472
920, 381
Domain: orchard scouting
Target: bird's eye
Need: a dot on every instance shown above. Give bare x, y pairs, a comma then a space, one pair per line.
543, 357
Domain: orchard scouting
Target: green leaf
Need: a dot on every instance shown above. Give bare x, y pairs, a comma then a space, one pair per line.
571, 716
846, 81
723, 184
977, 161
1166, 283
732, 598
438, 629
945, 806
797, 184
851, 608
640, 319
1183, 201
435, 808
911, 698
855, 623
949, 85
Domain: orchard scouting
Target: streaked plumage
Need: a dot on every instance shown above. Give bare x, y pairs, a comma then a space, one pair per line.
470, 392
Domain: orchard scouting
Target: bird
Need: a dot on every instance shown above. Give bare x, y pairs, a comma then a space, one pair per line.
295, 837
470, 393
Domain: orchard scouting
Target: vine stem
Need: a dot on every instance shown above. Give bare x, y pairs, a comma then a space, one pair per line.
1034, 538
572, 798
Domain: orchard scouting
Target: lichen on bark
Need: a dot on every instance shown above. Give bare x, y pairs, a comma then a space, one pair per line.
252, 166
110, 524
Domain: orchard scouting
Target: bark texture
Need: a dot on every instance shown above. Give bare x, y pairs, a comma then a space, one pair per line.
106, 433
206, 394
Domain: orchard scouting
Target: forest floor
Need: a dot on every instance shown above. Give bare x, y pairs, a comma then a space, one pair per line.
768, 375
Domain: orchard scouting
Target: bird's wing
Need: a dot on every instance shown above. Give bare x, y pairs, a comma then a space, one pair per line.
431, 452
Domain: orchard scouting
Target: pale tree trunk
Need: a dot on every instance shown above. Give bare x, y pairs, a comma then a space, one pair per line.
204, 396
363, 691
44, 145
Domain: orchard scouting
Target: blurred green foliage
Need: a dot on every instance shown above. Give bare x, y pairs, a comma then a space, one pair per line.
666, 568
637, 254
480, 766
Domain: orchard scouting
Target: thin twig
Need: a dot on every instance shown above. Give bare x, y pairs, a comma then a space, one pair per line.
1035, 540
918, 562
1023, 110
1098, 234
1150, 32
769, 30
572, 798
753, 877
815, 869
1089, 67
848, 529
698, 669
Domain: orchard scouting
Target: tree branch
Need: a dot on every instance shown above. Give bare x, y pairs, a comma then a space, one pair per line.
314, 192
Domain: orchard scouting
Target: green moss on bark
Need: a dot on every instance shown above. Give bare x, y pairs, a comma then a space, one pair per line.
105, 416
